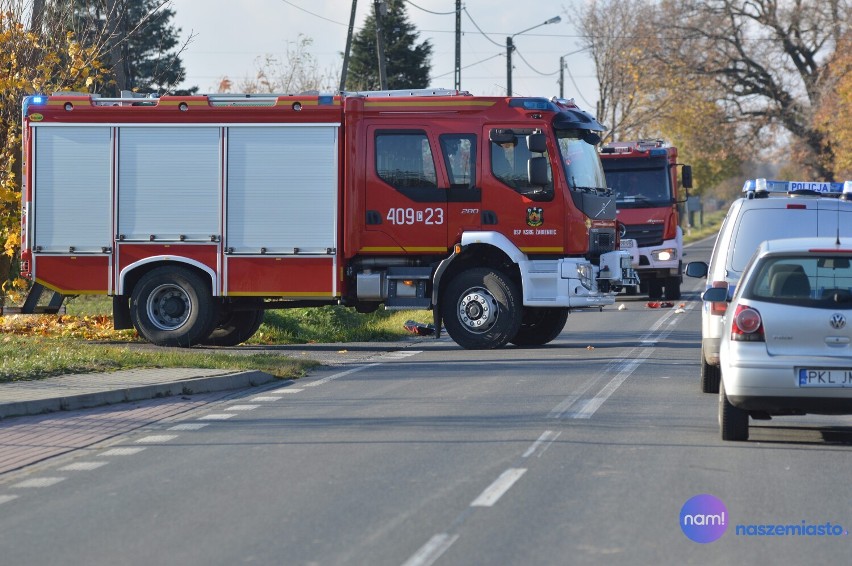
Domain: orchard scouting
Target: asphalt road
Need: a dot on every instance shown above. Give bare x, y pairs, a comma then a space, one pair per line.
581, 452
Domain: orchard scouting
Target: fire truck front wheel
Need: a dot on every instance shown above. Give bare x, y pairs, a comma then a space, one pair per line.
540, 326
481, 309
172, 306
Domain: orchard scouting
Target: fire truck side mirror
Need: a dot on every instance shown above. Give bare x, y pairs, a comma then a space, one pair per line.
537, 170
686, 176
537, 143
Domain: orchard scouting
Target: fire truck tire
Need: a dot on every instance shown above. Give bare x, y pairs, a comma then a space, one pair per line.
235, 328
673, 288
655, 289
172, 306
540, 326
481, 309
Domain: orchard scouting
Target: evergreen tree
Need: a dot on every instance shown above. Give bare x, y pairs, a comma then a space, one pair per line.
407, 62
143, 54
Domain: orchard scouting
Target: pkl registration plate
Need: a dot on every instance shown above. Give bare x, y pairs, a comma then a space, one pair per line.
628, 243
825, 377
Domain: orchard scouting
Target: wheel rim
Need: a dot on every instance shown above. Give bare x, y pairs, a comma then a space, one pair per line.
477, 310
168, 307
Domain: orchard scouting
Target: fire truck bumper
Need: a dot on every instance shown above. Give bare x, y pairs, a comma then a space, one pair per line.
574, 283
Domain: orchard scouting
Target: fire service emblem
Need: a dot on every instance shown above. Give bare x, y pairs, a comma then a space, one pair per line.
535, 216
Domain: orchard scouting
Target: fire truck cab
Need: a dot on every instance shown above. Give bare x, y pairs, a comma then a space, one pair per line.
197, 213
643, 175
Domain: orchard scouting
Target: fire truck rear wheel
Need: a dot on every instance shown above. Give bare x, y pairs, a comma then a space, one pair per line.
481, 309
235, 327
540, 326
172, 306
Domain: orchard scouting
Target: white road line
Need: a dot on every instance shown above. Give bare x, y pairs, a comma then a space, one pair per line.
432, 550
242, 407
189, 426
501, 485
288, 390
546, 439
123, 451
39, 482
400, 354
339, 375
263, 399
154, 438
217, 417
624, 368
7, 498
82, 466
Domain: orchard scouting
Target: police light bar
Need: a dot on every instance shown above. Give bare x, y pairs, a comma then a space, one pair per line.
770, 186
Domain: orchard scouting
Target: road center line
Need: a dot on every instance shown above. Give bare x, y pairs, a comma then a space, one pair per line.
496, 490
432, 550
546, 438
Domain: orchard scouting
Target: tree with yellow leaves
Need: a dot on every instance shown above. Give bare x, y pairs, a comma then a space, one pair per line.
31, 61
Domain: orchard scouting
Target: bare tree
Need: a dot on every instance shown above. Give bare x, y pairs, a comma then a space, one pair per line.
768, 57
617, 34
297, 72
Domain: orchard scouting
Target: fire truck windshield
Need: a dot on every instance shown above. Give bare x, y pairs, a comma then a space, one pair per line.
639, 184
580, 161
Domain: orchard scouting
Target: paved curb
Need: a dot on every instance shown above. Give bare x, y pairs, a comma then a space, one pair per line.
186, 386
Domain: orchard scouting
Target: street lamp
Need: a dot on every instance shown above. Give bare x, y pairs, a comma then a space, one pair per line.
510, 46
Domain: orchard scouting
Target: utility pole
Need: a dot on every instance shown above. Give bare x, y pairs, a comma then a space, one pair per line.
380, 7
458, 46
510, 46
348, 47
562, 77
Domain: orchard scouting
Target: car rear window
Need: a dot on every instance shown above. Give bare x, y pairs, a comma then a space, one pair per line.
823, 281
761, 224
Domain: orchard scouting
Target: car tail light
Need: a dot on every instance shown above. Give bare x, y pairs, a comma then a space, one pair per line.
719, 308
747, 325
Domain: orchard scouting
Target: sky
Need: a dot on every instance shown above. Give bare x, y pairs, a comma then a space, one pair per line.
229, 37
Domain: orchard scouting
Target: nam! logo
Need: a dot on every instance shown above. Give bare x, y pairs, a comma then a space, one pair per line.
704, 518
535, 216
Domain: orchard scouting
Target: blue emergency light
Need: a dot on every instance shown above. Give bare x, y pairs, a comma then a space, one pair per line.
765, 186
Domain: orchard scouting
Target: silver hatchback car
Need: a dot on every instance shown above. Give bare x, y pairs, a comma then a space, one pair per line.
786, 348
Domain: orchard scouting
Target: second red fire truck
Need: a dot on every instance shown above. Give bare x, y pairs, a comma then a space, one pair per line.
643, 175
197, 213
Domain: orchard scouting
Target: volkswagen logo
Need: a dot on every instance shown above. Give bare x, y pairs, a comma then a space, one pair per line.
837, 321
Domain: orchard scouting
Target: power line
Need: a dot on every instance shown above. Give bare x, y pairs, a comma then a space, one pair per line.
430, 11
485, 35
533, 68
313, 14
471, 65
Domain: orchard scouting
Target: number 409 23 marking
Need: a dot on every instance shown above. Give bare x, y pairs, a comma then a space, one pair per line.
409, 216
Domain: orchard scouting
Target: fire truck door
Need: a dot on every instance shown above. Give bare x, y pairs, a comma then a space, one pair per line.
406, 194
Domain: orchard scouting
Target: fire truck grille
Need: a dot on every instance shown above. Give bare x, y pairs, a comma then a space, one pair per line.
645, 234
601, 240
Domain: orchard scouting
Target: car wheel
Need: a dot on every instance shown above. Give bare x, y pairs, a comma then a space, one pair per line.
481, 309
733, 421
540, 326
172, 306
710, 375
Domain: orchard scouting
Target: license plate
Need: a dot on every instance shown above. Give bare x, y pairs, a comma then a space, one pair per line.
628, 244
825, 377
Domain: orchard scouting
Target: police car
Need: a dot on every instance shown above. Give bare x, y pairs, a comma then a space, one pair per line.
768, 210
786, 345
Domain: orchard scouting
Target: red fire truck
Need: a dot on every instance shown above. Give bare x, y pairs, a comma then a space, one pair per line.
197, 213
643, 175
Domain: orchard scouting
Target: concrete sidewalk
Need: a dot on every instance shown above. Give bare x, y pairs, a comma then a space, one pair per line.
80, 391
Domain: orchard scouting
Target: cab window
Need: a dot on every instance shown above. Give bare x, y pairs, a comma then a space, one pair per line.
510, 162
460, 158
404, 160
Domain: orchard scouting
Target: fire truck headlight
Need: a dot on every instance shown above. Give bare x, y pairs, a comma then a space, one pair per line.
664, 254
585, 271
